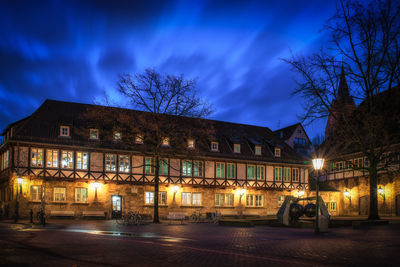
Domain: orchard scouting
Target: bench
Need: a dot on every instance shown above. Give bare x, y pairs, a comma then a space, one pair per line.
94, 213
176, 216
62, 213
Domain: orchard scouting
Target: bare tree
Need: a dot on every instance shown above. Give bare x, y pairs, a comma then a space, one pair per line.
165, 111
363, 60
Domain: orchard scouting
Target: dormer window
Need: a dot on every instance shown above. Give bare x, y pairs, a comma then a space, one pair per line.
277, 152
236, 148
165, 141
190, 143
94, 134
64, 130
117, 136
257, 150
214, 146
139, 139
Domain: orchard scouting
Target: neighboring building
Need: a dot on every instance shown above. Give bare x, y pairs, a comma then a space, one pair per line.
82, 170
296, 137
352, 190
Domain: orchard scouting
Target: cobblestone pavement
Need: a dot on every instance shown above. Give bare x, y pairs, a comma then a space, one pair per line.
94, 243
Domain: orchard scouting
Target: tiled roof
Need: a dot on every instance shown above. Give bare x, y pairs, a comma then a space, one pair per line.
287, 132
44, 126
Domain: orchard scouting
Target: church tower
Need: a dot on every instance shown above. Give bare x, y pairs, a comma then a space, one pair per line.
341, 105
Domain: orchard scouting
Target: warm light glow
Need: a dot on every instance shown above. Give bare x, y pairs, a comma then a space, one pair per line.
300, 193
20, 180
347, 193
380, 190
318, 163
96, 185
242, 191
175, 189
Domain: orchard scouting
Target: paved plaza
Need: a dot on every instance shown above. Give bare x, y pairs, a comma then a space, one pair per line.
105, 243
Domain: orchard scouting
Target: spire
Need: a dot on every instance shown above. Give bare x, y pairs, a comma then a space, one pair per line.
343, 93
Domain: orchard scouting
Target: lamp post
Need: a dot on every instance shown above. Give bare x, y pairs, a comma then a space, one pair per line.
348, 195
381, 192
96, 185
175, 190
20, 181
242, 192
318, 163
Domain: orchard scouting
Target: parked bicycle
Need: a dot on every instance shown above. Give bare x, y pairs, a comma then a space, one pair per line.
196, 216
130, 218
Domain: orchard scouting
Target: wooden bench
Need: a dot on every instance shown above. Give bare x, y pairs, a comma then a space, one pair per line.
62, 213
94, 213
176, 216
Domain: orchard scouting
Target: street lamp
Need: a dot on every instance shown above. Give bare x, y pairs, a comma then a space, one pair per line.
381, 192
20, 181
241, 193
318, 163
175, 190
348, 195
300, 194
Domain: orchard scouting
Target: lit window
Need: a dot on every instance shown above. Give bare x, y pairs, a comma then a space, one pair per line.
260, 172
111, 164
186, 198
37, 157
277, 152
36, 192
220, 170
251, 172
223, 199
149, 166
81, 195
124, 163
196, 201
165, 141
117, 136
149, 198
59, 194
82, 160
249, 200
295, 175
230, 170
64, 130
257, 150
278, 174
186, 168
286, 174
163, 167
5, 160
259, 201
190, 143
139, 139
52, 158
214, 146
198, 168
236, 148
94, 134
67, 159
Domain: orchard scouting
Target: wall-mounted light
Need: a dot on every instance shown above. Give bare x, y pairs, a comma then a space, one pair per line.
381, 192
175, 189
20, 181
300, 193
347, 194
96, 185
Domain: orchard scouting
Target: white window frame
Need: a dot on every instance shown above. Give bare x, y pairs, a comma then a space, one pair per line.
64, 131
52, 158
198, 168
295, 174
111, 162
221, 168
277, 152
37, 195
91, 132
59, 191
82, 160
163, 170
214, 146
70, 159
251, 175
197, 199
186, 198
149, 166
124, 163
260, 172
187, 168
191, 143
236, 148
257, 150
259, 201
36, 153
78, 195
286, 175
250, 199
276, 178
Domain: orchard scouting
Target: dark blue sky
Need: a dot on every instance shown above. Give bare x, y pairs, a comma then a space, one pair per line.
73, 50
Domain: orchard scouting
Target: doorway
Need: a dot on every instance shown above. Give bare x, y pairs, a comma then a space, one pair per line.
116, 206
363, 204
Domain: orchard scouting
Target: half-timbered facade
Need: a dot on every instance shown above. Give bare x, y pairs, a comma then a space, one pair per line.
45, 162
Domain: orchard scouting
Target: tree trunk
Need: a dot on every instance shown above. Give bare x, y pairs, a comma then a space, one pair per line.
156, 189
373, 194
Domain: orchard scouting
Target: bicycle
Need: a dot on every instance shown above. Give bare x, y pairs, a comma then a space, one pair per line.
130, 218
196, 216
